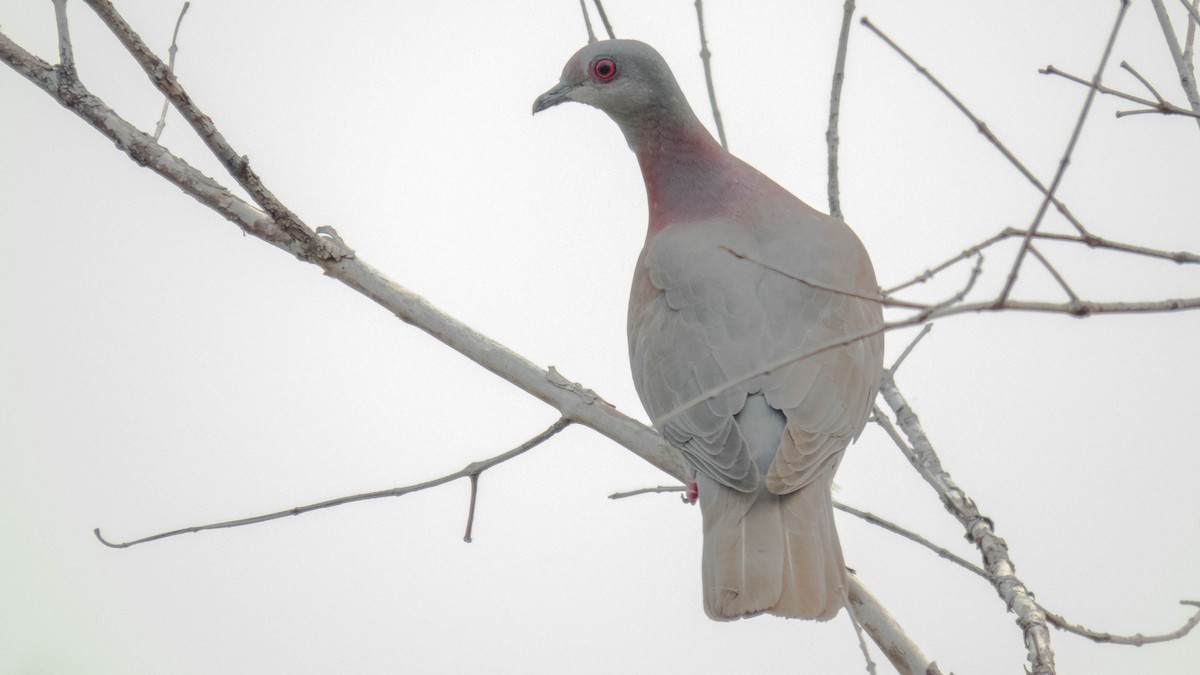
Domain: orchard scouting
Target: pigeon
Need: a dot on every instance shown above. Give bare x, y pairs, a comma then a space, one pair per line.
755, 341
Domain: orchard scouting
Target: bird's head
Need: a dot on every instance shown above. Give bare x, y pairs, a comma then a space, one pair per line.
625, 78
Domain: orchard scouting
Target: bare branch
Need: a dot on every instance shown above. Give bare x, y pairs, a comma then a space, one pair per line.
1149, 87
66, 55
821, 287
162, 118
858, 632
587, 21
979, 125
1053, 272
899, 649
143, 150
604, 20
237, 165
705, 57
1189, 42
1091, 241
949, 307
574, 402
979, 529
911, 536
472, 471
1133, 640
835, 106
1052, 618
1186, 79
1164, 107
966, 254
1066, 157
908, 350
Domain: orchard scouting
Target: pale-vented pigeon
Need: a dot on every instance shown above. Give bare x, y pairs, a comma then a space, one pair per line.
736, 275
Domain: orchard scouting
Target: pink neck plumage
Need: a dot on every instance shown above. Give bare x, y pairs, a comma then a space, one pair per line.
688, 175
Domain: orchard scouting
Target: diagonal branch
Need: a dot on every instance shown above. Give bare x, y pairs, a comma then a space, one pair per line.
980, 125
835, 107
604, 20
1056, 620
1054, 273
1136, 640
164, 80
999, 566
574, 402
1189, 42
1066, 157
1091, 241
587, 21
1187, 79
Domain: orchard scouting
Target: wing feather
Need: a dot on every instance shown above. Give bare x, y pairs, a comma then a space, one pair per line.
701, 318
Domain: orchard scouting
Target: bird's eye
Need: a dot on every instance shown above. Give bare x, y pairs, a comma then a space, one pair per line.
604, 69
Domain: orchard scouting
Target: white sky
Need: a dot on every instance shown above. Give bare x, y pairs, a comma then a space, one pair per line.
158, 369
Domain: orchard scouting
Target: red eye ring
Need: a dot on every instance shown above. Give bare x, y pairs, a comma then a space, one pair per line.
604, 69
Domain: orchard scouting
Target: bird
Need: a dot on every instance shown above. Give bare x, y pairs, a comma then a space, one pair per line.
736, 280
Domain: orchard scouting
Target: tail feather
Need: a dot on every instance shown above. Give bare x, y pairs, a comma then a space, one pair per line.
814, 580
770, 553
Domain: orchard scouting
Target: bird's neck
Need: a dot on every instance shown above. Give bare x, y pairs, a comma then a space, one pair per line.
688, 175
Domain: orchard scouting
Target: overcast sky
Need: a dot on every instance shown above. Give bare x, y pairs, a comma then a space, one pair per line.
158, 369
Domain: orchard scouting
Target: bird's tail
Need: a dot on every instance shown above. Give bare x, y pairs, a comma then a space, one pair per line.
771, 553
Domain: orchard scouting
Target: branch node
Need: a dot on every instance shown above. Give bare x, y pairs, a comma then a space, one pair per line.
586, 395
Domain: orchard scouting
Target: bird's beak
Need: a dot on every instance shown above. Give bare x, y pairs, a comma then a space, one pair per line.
556, 95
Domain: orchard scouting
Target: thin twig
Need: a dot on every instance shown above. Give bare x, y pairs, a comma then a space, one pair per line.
705, 57
471, 470
1186, 79
1136, 640
587, 21
949, 307
822, 287
1165, 108
908, 350
912, 536
835, 105
967, 253
237, 165
1145, 83
980, 125
1066, 157
1053, 272
1091, 241
604, 20
162, 118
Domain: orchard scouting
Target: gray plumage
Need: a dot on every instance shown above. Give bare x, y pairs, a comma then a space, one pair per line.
764, 451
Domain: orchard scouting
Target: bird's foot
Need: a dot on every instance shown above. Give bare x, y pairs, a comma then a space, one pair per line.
693, 492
